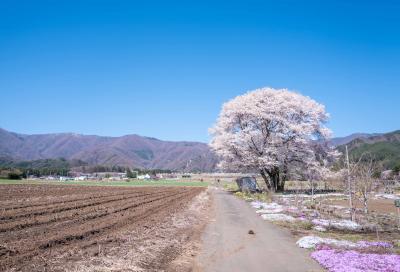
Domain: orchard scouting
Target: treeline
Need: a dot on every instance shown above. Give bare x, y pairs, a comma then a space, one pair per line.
18, 173
117, 168
13, 169
99, 168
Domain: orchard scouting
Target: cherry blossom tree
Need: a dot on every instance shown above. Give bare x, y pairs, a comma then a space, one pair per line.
275, 132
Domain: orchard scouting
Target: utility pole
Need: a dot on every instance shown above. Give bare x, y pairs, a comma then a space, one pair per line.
349, 185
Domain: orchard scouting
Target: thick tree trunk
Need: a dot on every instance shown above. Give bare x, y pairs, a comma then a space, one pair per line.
273, 180
265, 177
281, 185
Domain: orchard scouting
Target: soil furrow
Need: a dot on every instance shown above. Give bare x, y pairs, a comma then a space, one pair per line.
68, 214
27, 244
74, 206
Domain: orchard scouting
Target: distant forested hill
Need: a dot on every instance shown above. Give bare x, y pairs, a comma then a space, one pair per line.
338, 141
40, 164
384, 147
130, 150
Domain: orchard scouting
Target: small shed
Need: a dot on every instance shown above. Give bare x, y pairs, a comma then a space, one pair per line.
248, 184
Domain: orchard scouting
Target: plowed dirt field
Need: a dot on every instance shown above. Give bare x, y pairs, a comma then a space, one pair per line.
77, 228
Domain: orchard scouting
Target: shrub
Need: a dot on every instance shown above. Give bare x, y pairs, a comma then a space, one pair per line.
14, 176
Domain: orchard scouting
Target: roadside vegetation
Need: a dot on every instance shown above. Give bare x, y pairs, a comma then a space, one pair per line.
281, 135
325, 229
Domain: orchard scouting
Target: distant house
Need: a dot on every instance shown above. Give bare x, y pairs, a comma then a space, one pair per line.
159, 176
147, 176
65, 178
168, 176
80, 178
107, 176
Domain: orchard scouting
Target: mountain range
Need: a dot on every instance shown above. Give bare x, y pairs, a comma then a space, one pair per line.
131, 150
338, 141
149, 153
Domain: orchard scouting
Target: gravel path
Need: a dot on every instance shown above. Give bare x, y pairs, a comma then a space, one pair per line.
228, 246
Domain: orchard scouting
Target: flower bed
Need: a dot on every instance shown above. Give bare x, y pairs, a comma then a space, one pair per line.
319, 228
274, 210
353, 261
387, 196
334, 255
263, 205
313, 241
366, 244
338, 224
278, 217
268, 208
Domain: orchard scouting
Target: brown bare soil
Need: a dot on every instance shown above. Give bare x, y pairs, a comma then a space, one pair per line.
79, 228
383, 206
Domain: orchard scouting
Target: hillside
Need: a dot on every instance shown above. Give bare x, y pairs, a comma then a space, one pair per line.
130, 150
338, 141
384, 147
144, 152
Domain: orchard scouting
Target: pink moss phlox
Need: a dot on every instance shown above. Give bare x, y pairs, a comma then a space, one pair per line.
366, 244
322, 247
353, 261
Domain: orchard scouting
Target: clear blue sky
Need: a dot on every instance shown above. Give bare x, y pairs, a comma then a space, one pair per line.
163, 69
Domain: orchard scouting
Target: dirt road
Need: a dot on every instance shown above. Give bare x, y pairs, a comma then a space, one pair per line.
228, 247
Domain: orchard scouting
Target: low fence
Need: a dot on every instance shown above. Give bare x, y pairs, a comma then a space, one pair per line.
309, 191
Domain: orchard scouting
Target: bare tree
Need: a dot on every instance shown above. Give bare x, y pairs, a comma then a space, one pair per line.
388, 179
313, 173
350, 185
362, 174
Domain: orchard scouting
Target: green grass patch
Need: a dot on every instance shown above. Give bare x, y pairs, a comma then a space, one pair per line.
295, 226
264, 197
231, 187
353, 237
110, 183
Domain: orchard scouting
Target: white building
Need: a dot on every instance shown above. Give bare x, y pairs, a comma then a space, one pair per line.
147, 176
81, 178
